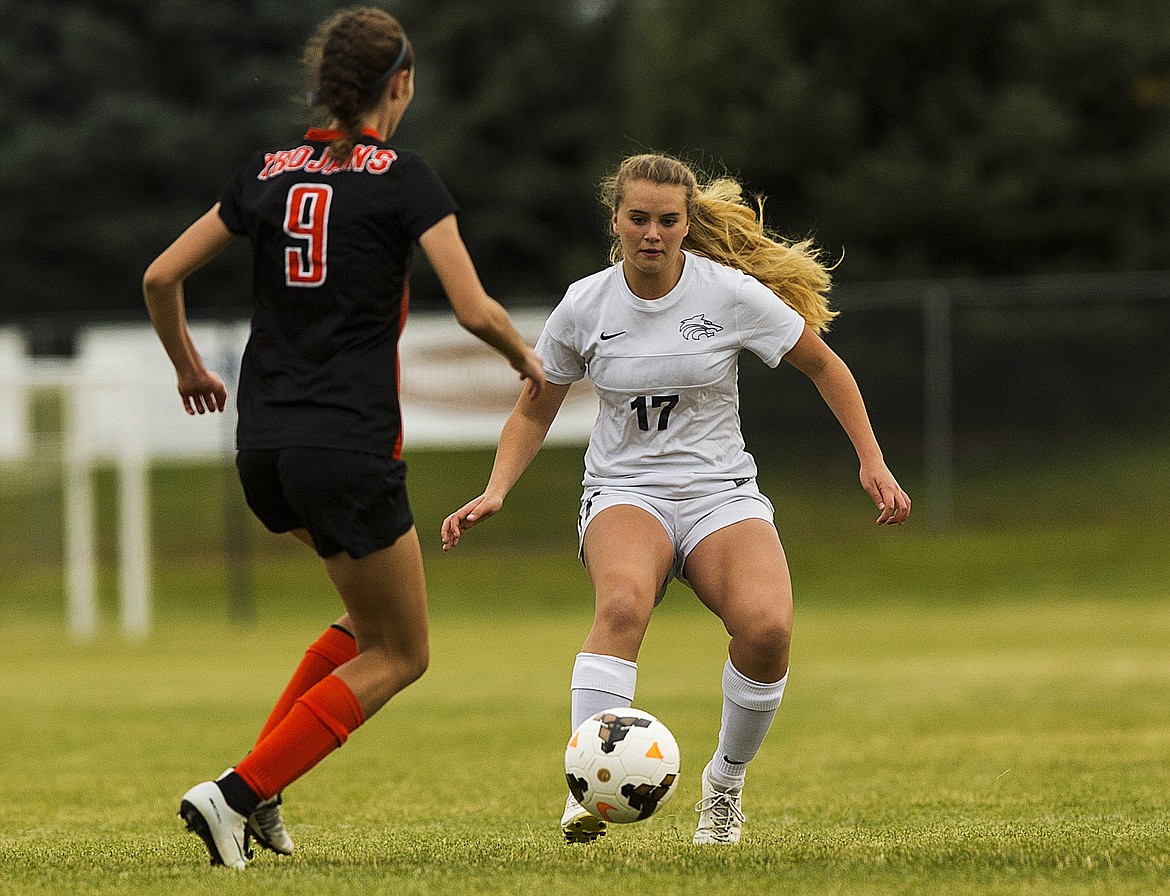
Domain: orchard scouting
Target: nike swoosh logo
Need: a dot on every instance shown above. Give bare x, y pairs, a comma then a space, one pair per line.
612, 335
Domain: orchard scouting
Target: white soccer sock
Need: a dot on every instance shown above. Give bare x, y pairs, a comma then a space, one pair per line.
601, 682
748, 709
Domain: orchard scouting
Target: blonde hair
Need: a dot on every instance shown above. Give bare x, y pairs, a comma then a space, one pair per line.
347, 64
726, 229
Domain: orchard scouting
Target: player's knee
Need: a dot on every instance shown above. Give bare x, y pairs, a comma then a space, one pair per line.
416, 662
623, 611
406, 663
769, 634
400, 664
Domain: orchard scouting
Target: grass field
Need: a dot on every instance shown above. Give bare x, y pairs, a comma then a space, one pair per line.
979, 710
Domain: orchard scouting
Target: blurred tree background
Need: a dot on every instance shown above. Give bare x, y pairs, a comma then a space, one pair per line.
920, 139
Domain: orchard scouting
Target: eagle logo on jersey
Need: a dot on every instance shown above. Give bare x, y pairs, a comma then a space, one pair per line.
698, 327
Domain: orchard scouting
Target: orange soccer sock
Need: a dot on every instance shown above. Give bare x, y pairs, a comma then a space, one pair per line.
319, 722
333, 648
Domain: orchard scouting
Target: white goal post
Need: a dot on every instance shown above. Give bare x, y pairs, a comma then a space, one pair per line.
119, 409
80, 456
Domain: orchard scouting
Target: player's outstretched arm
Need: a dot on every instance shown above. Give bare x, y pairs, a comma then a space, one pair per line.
200, 389
812, 357
520, 440
476, 311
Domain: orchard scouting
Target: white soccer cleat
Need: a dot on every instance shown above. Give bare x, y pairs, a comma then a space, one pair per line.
720, 816
266, 827
207, 814
579, 825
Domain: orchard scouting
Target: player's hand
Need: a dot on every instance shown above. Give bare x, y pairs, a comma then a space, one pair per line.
202, 392
470, 514
531, 370
887, 495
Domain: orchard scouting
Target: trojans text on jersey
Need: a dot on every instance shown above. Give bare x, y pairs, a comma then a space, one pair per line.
315, 159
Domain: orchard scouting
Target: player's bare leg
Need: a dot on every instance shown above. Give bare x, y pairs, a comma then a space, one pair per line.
741, 574
625, 586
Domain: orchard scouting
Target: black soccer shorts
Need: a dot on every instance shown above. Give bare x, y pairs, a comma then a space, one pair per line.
347, 500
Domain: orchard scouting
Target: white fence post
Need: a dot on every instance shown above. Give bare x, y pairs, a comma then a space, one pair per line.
134, 511
14, 430
81, 589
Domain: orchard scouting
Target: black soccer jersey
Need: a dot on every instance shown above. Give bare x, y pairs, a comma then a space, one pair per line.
331, 250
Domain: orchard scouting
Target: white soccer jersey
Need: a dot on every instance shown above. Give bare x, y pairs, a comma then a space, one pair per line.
666, 372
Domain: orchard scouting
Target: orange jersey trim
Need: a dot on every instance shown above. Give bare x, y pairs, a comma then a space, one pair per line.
328, 135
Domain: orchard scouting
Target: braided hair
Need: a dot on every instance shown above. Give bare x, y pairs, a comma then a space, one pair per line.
348, 63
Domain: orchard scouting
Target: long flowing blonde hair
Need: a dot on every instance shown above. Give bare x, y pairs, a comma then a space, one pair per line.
728, 230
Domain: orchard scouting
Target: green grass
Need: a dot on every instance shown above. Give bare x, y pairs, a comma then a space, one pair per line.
996, 749
981, 710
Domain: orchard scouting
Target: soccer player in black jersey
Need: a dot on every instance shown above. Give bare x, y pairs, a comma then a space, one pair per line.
332, 220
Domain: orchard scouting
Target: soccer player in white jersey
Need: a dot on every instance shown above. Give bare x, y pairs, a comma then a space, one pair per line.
670, 490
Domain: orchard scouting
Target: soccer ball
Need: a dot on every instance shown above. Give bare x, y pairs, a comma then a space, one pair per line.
622, 765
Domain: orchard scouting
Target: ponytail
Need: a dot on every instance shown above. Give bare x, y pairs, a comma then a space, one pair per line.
725, 229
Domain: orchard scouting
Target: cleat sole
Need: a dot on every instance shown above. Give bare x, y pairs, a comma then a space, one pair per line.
197, 825
584, 830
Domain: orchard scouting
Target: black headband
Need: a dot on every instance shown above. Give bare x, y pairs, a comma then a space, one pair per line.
314, 97
394, 66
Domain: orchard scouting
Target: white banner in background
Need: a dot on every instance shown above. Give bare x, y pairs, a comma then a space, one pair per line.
456, 391
123, 389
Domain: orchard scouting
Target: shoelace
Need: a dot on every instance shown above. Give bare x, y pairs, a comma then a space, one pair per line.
724, 811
